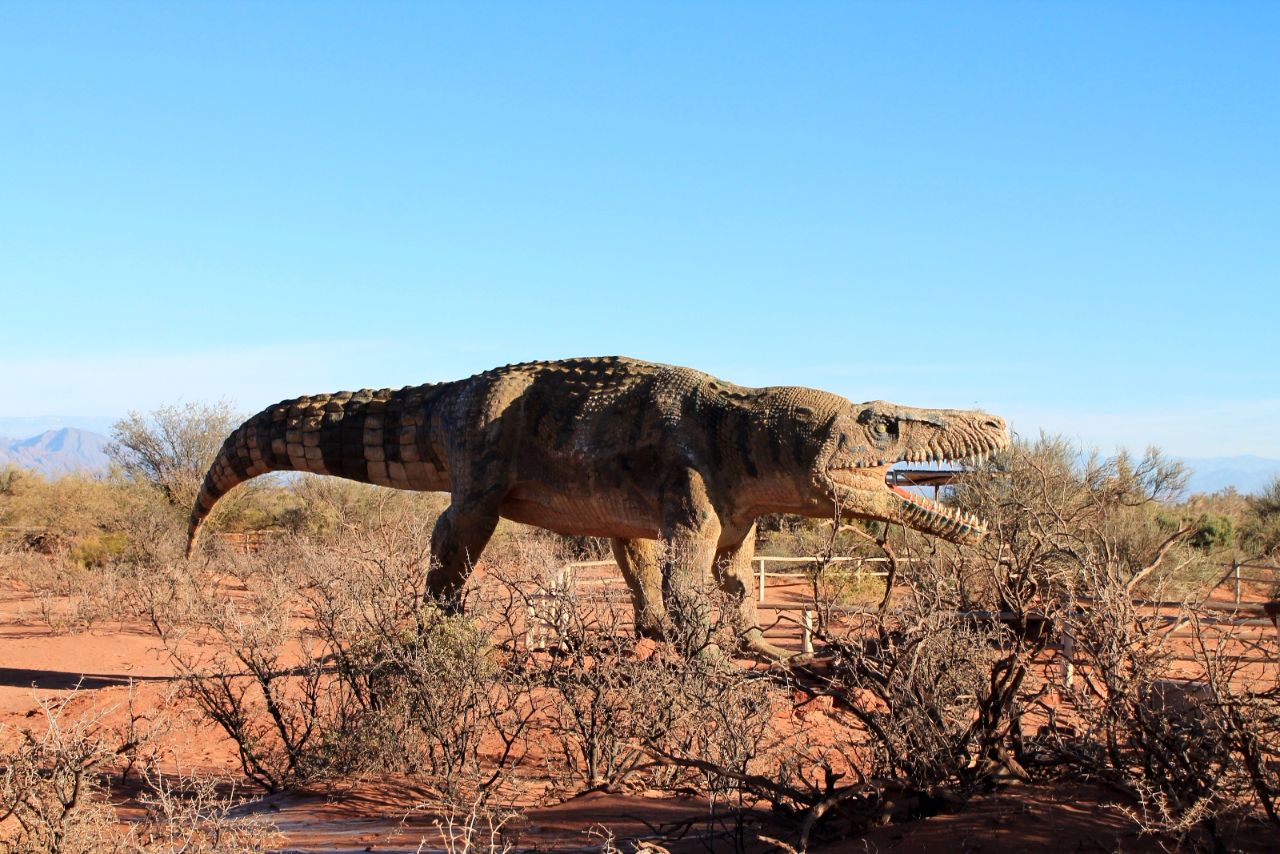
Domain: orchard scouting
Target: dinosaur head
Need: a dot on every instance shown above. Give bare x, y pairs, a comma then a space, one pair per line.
861, 441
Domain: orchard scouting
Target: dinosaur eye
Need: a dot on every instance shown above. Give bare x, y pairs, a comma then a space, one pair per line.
881, 428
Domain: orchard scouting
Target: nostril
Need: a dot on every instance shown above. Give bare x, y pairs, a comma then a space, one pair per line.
993, 424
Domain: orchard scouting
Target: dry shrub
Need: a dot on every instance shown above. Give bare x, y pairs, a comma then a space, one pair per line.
328, 509
76, 506
1196, 753
1054, 517
97, 560
296, 667
923, 684
196, 815
171, 447
1073, 546
602, 694
50, 784
331, 662
257, 674
55, 791
651, 715
726, 718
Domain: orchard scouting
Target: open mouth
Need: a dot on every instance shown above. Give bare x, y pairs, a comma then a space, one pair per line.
915, 510
925, 514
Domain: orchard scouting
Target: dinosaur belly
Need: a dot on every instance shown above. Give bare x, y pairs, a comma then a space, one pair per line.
614, 513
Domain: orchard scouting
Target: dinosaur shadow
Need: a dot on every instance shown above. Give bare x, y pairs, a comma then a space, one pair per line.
57, 680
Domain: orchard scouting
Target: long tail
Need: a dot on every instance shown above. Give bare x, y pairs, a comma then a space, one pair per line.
388, 437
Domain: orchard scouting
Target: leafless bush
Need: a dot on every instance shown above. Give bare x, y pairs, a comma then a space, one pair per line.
50, 784
333, 662
297, 669
55, 786
195, 815
70, 597
602, 693
940, 699
1072, 548
471, 827
1053, 517
330, 510
99, 572
252, 672
1195, 751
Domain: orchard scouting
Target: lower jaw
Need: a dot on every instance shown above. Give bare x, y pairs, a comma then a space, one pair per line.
919, 517
930, 521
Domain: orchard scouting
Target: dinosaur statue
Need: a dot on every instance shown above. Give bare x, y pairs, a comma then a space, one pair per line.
672, 464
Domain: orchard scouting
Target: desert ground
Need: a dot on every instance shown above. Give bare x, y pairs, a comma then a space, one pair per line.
113, 670
1091, 675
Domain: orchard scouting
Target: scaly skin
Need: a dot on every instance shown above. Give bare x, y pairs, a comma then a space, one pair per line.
672, 464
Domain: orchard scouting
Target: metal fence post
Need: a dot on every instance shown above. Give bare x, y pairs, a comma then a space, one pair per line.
760, 561
1235, 568
806, 627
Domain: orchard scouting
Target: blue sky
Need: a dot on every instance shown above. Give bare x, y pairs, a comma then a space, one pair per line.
1063, 213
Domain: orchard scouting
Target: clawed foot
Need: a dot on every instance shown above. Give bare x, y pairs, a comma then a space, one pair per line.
754, 644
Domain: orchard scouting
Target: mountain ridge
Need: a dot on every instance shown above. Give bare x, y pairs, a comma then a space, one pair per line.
56, 452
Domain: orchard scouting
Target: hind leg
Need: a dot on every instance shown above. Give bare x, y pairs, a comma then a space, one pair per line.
460, 535
641, 567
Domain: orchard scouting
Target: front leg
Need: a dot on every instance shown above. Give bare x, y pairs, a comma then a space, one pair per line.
690, 532
733, 564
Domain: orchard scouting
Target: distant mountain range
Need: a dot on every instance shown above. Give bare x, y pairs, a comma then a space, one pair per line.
1248, 474
67, 449
55, 452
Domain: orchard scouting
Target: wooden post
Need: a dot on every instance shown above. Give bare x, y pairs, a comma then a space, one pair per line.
1235, 569
760, 561
806, 629
1068, 643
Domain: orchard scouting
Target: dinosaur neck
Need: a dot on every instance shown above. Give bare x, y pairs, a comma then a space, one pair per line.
758, 447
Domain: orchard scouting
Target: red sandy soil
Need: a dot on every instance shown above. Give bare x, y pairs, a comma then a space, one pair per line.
382, 816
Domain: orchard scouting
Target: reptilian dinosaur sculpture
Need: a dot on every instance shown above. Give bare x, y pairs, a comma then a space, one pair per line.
672, 464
